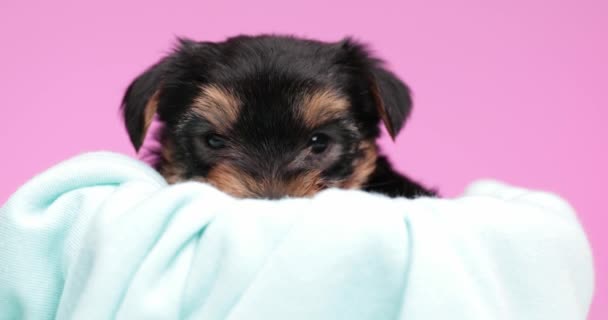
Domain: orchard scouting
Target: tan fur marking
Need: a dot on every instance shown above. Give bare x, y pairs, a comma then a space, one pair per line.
218, 105
239, 184
322, 106
232, 181
376, 95
167, 167
364, 166
149, 112
305, 186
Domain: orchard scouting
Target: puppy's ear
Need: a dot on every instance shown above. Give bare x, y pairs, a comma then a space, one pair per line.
390, 95
140, 102
392, 99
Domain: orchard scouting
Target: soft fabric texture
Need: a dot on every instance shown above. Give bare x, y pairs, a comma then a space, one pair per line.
102, 236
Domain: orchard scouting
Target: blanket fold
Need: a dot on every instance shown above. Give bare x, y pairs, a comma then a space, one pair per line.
102, 236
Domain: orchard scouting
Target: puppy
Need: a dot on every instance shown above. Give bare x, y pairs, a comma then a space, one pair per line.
272, 116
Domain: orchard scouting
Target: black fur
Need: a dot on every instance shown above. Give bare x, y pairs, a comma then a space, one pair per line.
269, 74
386, 181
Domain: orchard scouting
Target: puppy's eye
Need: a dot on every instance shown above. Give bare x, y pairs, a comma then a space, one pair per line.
318, 143
215, 141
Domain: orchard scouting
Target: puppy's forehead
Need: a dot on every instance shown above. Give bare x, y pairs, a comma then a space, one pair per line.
245, 56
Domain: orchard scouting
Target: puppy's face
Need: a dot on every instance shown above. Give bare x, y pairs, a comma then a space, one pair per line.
268, 116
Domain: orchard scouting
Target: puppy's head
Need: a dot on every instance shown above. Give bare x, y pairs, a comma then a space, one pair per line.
268, 116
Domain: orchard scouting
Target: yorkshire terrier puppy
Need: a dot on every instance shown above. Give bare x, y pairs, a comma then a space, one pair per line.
273, 116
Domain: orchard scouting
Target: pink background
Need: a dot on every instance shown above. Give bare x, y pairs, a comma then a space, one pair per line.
515, 90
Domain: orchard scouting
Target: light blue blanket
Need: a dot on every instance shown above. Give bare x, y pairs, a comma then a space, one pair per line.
101, 236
